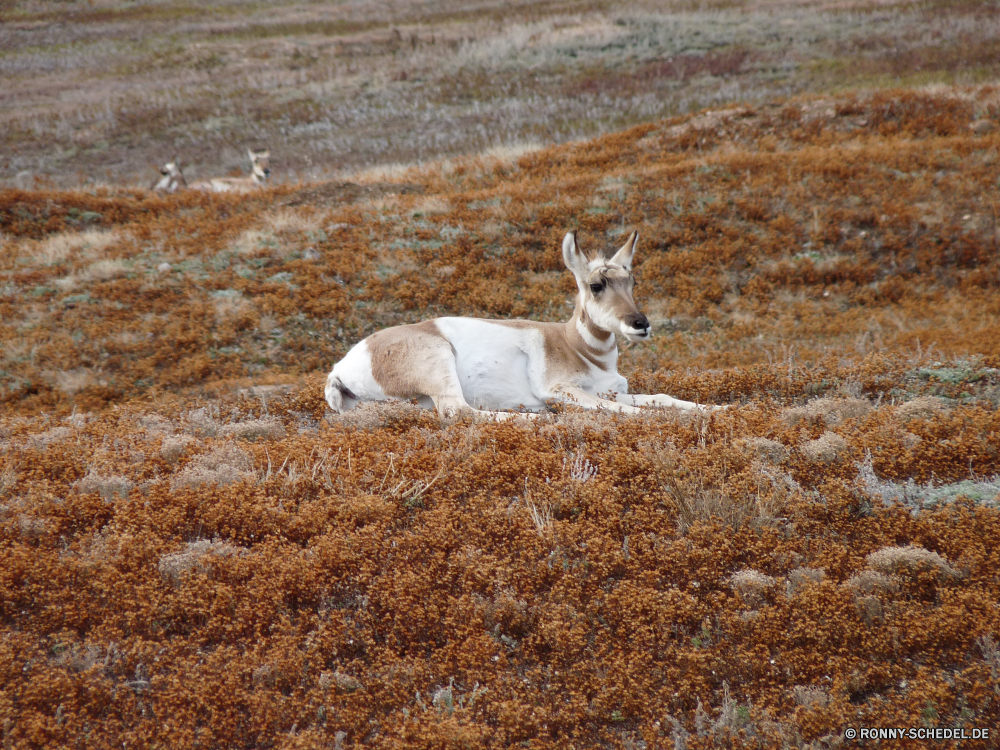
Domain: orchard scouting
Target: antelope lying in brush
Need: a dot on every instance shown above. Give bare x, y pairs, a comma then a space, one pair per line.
259, 172
466, 364
171, 179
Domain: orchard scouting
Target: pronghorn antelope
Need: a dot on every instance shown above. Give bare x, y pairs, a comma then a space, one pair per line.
467, 364
171, 179
259, 172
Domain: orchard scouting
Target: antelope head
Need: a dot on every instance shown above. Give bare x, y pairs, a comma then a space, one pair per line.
170, 172
605, 288
259, 164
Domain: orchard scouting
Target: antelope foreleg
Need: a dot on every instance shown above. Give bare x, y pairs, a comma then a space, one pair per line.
662, 400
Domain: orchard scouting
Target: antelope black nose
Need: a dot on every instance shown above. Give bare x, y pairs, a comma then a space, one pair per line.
640, 323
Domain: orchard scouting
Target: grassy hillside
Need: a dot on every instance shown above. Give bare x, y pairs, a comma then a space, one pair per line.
819, 230
195, 553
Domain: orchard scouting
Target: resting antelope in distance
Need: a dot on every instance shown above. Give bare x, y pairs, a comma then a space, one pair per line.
259, 172
171, 179
483, 366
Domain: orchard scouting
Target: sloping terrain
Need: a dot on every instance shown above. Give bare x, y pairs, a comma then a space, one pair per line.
822, 228
195, 552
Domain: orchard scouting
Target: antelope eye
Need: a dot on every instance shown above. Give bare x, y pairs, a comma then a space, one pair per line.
597, 288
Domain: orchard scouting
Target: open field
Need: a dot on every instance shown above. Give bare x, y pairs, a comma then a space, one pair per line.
196, 553
99, 92
824, 229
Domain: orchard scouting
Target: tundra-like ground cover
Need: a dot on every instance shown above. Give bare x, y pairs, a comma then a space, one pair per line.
195, 552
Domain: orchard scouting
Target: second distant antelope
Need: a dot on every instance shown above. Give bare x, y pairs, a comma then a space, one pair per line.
259, 172
481, 366
171, 180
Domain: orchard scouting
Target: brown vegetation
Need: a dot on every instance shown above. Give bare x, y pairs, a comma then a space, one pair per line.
409, 583
195, 552
817, 231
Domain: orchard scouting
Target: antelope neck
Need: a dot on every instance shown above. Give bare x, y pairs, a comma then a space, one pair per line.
595, 338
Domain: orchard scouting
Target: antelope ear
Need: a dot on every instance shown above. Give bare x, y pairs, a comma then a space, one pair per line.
624, 255
574, 259
252, 155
